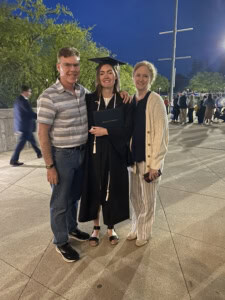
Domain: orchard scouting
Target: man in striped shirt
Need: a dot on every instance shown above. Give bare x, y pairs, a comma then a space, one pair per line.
63, 132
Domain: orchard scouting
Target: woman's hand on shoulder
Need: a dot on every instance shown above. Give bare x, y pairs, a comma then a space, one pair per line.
126, 97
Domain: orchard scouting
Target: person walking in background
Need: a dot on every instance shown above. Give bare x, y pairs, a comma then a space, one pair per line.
149, 146
191, 103
176, 109
166, 102
183, 108
210, 106
24, 122
201, 112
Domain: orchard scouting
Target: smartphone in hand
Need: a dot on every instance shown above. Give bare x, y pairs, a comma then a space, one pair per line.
146, 176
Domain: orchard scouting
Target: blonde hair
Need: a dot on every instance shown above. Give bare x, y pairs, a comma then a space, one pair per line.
152, 69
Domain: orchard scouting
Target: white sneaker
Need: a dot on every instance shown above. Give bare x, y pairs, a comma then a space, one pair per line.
131, 236
140, 243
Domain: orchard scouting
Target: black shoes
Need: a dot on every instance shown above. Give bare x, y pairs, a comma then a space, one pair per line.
94, 240
16, 163
68, 253
79, 235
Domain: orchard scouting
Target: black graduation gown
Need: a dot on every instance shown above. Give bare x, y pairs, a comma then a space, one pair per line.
106, 168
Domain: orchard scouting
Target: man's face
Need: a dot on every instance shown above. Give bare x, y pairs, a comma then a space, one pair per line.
69, 69
28, 93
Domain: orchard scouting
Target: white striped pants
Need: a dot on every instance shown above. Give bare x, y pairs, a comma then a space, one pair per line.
143, 200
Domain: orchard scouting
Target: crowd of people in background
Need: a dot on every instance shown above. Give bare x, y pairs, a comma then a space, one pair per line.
201, 108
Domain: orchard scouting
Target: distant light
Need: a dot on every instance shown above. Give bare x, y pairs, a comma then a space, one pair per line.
222, 44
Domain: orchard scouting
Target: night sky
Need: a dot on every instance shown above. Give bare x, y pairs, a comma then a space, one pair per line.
130, 29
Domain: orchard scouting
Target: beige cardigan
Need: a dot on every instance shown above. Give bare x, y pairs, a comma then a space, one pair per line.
156, 135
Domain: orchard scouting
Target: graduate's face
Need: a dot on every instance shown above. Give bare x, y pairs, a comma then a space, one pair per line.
69, 69
107, 76
142, 78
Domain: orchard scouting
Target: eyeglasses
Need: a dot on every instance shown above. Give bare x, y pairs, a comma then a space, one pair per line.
67, 65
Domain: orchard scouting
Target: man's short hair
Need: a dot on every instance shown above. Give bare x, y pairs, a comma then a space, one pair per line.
67, 52
25, 88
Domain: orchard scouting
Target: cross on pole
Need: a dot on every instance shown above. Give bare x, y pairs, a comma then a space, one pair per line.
173, 59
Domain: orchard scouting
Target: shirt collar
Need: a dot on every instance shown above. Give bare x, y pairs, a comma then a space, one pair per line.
61, 88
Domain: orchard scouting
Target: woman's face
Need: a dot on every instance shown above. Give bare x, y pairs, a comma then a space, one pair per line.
142, 78
107, 76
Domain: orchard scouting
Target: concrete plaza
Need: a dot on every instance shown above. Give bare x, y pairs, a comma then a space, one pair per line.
185, 259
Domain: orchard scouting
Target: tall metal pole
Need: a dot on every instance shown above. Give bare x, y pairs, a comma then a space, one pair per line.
172, 83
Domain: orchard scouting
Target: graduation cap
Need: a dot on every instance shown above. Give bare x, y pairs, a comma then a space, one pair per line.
107, 60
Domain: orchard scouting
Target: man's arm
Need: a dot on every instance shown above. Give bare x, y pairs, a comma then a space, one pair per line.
46, 149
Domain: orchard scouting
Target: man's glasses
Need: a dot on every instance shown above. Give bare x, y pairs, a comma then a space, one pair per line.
67, 65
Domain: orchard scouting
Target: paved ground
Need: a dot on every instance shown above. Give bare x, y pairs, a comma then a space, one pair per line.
184, 260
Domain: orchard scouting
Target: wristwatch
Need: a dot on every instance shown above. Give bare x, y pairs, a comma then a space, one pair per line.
49, 166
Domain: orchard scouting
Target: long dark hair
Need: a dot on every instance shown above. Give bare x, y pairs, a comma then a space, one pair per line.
116, 87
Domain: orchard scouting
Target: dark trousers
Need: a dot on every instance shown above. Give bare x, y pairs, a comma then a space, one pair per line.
222, 117
25, 136
176, 113
190, 115
167, 109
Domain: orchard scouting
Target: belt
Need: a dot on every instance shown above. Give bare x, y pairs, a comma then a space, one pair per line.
81, 147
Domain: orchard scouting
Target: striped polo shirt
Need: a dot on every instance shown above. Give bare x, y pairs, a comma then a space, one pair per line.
66, 113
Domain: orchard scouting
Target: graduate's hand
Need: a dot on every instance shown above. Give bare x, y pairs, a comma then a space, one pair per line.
98, 131
125, 96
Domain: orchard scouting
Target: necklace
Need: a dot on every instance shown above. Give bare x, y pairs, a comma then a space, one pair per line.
99, 102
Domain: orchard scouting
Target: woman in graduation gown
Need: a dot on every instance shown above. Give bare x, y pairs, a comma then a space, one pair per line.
106, 175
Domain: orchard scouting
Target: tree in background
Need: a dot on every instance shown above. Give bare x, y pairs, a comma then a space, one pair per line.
30, 38
126, 79
161, 84
207, 82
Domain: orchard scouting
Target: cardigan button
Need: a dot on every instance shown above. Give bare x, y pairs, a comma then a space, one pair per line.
149, 144
148, 155
148, 131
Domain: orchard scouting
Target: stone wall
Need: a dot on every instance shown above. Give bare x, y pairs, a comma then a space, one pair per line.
8, 138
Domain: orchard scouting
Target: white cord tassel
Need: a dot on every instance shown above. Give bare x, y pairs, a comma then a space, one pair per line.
107, 192
94, 145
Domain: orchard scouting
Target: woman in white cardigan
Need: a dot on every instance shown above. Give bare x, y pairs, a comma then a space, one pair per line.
149, 147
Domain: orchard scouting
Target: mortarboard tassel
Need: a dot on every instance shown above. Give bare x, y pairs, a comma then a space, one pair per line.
94, 145
107, 192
